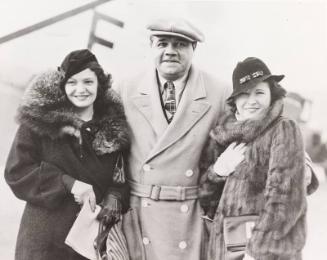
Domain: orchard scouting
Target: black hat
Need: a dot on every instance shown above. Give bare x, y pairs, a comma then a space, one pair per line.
77, 61
248, 74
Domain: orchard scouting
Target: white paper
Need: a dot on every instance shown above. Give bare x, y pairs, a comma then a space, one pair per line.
84, 231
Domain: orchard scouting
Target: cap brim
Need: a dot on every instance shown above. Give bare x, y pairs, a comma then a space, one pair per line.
253, 83
164, 33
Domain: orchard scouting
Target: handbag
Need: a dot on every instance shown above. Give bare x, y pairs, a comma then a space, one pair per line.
237, 232
119, 170
110, 243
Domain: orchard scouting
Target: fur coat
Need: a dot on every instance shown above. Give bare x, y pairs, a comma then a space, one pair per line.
52, 145
268, 183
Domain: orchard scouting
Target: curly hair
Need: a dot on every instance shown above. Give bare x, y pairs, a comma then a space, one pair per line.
104, 83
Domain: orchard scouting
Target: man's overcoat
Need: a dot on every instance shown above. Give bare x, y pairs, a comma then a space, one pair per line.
165, 219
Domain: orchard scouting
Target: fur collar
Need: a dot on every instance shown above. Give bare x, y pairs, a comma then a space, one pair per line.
46, 110
229, 129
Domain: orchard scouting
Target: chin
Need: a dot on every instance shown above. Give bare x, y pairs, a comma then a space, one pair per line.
82, 104
254, 115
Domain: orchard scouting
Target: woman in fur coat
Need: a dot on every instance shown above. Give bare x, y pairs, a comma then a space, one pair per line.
72, 130
269, 181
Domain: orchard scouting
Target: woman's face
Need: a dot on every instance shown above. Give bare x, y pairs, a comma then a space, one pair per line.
253, 103
81, 89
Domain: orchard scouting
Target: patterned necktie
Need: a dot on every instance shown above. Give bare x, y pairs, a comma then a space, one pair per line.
170, 102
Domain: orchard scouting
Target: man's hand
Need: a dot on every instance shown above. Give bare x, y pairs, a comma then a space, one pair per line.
229, 159
83, 193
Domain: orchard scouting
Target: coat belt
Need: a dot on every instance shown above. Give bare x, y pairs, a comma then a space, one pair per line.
158, 192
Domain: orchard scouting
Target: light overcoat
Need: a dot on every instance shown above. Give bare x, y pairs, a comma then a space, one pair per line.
165, 154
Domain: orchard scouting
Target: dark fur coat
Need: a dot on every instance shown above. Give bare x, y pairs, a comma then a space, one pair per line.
52, 145
268, 183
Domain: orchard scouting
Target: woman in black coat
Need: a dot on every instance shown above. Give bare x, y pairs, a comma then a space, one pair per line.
72, 130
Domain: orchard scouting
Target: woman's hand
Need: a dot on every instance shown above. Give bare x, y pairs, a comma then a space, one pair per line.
247, 257
111, 211
83, 193
229, 159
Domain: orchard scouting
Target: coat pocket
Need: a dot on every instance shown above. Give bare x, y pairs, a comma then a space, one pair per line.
132, 232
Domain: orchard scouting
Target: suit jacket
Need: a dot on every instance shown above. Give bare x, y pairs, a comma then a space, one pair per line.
168, 155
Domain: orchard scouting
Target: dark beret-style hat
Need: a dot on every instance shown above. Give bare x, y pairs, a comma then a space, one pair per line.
175, 27
248, 73
77, 61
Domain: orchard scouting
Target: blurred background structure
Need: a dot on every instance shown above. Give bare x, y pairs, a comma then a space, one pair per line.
290, 36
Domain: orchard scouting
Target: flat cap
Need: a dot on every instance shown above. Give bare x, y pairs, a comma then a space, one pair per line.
175, 27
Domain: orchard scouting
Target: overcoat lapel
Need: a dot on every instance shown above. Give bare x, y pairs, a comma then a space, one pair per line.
148, 103
192, 108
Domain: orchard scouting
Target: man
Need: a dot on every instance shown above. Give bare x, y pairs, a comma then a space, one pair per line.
170, 110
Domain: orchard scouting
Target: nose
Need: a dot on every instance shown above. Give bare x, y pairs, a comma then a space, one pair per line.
170, 50
251, 99
80, 87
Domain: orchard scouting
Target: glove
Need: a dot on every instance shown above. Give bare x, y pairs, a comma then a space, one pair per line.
111, 210
229, 159
83, 193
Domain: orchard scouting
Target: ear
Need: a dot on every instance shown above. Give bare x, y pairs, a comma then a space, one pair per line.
194, 44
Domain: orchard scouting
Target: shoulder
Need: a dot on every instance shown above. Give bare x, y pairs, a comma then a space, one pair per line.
26, 136
287, 134
44, 89
285, 125
217, 90
132, 79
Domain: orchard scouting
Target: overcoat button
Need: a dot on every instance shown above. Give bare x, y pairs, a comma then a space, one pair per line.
189, 173
184, 208
182, 245
88, 129
146, 167
146, 241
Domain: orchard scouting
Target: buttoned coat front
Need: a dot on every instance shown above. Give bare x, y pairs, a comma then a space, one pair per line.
167, 155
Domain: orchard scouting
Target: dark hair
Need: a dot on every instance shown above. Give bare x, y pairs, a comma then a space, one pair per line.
276, 90
104, 83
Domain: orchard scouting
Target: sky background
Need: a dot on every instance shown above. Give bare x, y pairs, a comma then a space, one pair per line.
290, 36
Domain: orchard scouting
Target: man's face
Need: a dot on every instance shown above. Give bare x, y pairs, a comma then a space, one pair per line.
172, 56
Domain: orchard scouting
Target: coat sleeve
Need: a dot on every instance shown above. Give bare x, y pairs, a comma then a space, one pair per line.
280, 230
211, 185
31, 179
314, 183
